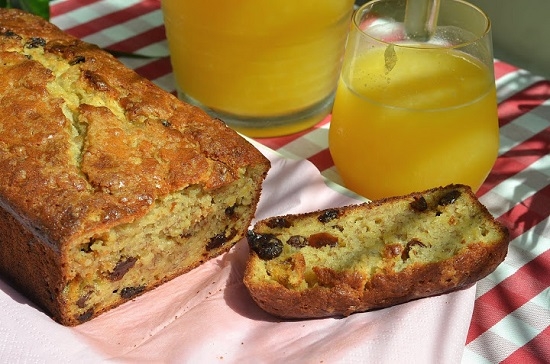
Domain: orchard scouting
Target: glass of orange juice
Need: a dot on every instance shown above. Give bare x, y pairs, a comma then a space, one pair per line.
413, 114
265, 67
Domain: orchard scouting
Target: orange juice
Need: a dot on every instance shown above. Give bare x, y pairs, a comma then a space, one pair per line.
418, 120
258, 60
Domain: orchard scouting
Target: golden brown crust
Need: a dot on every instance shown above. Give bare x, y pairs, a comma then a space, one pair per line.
88, 149
362, 287
119, 159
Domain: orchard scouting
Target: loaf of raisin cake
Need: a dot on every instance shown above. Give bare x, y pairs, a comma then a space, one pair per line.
109, 186
373, 255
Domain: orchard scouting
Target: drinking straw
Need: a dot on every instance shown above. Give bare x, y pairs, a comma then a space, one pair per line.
421, 19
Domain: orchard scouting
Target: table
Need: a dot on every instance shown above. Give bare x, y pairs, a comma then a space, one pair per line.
511, 318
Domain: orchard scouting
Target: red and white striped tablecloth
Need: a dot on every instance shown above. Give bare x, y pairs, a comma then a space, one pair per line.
511, 318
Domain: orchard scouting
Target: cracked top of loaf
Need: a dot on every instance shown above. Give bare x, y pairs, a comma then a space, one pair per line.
86, 143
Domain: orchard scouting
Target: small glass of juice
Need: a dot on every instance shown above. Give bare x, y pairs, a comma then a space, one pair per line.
265, 67
413, 114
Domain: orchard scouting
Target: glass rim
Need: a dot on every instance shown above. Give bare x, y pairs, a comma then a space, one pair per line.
358, 15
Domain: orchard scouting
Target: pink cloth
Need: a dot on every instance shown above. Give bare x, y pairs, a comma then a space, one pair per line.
207, 315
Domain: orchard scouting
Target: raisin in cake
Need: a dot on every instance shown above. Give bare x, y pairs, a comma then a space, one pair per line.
373, 255
109, 186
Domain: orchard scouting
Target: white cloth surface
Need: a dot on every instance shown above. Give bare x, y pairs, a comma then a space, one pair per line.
207, 315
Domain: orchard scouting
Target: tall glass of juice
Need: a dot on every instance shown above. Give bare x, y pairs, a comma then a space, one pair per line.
412, 114
265, 67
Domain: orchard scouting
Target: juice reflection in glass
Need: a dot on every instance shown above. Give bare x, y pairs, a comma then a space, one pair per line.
410, 116
266, 67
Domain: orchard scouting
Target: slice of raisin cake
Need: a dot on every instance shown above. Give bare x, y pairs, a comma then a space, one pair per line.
356, 258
